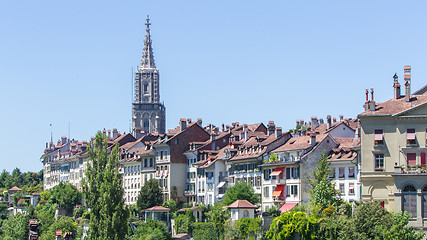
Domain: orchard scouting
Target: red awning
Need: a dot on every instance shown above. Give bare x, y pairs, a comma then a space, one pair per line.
277, 171
278, 190
287, 206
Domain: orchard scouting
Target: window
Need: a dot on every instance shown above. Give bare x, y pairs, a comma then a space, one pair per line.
342, 188
409, 200
410, 136
288, 190
332, 173
146, 123
351, 172
341, 172
379, 162
145, 162
379, 137
176, 141
412, 159
161, 155
294, 190
145, 88
245, 213
266, 193
351, 188
288, 173
151, 162
267, 173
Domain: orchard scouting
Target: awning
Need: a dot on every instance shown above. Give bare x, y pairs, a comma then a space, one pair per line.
278, 190
220, 185
287, 206
277, 171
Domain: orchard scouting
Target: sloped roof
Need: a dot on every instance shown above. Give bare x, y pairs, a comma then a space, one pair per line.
298, 143
395, 106
242, 204
15, 188
157, 208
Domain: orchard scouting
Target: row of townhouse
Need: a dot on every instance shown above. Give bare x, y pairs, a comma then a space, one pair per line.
393, 150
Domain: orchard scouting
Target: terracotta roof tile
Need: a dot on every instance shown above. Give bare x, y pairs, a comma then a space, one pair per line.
242, 204
395, 106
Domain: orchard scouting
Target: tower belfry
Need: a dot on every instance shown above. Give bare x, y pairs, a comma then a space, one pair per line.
148, 113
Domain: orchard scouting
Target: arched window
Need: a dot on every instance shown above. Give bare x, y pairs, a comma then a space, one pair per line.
409, 200
424, 200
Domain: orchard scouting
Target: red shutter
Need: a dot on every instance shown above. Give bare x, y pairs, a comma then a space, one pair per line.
423, 159
412, 159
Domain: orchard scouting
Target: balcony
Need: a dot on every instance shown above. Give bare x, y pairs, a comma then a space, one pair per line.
189, 193
410, 170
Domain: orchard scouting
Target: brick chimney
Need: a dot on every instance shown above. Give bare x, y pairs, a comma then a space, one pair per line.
341, 118
199, 122
213, 143
334, 120
109, 134
407, 78
115, 133
396, 86
183, 124
329, 122
321, 121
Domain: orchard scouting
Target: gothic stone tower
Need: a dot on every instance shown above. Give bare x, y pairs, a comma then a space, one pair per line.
148, 113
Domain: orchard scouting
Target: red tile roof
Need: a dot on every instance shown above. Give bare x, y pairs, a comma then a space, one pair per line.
15, 188
157, 208
242, 204
395, 106
298, 143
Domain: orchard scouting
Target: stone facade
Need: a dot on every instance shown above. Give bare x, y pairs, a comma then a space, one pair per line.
148, 113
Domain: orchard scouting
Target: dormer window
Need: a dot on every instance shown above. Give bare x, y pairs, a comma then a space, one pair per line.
379, 137
410, 136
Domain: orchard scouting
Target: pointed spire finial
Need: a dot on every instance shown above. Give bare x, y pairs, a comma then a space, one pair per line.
147, 60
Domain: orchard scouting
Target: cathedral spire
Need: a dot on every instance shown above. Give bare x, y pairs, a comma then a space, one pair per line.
147, 60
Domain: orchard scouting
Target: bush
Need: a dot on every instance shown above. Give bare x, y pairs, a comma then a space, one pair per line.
291, 225
184, 222
205, 231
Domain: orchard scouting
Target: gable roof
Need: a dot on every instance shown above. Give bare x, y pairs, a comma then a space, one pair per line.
299, 143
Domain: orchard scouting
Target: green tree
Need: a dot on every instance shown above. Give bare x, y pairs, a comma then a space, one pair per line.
293, 225
103, 192
45, 213
218, 217
244, 228
184, 222
152, 230
66, 195
150, 195
400, 229
5, 179
240, 191
17, 178
66, 224
205, 231
15, 228
321, 172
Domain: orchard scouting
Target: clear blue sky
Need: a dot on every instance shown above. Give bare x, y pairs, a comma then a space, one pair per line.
223, 61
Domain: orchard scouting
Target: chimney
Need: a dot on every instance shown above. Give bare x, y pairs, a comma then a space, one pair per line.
407, 78
271, 127
278, 132
341, 118
183, 124
321, 121
372, 102
312, 139
223, 127
213, 144
115, 133
314, 123
335, 120
396, 86
63, 140
199, 122
297, 123
357, 133
109, 134
329, 118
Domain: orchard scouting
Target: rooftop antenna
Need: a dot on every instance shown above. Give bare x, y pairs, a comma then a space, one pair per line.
51, 134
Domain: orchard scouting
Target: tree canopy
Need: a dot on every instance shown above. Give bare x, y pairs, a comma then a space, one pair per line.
66, 195
150, 195
240, 191
103, 192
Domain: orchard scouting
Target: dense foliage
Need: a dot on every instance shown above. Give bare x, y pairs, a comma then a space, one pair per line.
245, 228
152, 230
66, 224
66, 195
184, 222
292, 225
103, 192
15, 227
150, 195
240, 191
205, 231
20, 179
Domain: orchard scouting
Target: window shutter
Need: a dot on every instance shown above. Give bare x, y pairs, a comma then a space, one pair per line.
423, 159
410, 204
